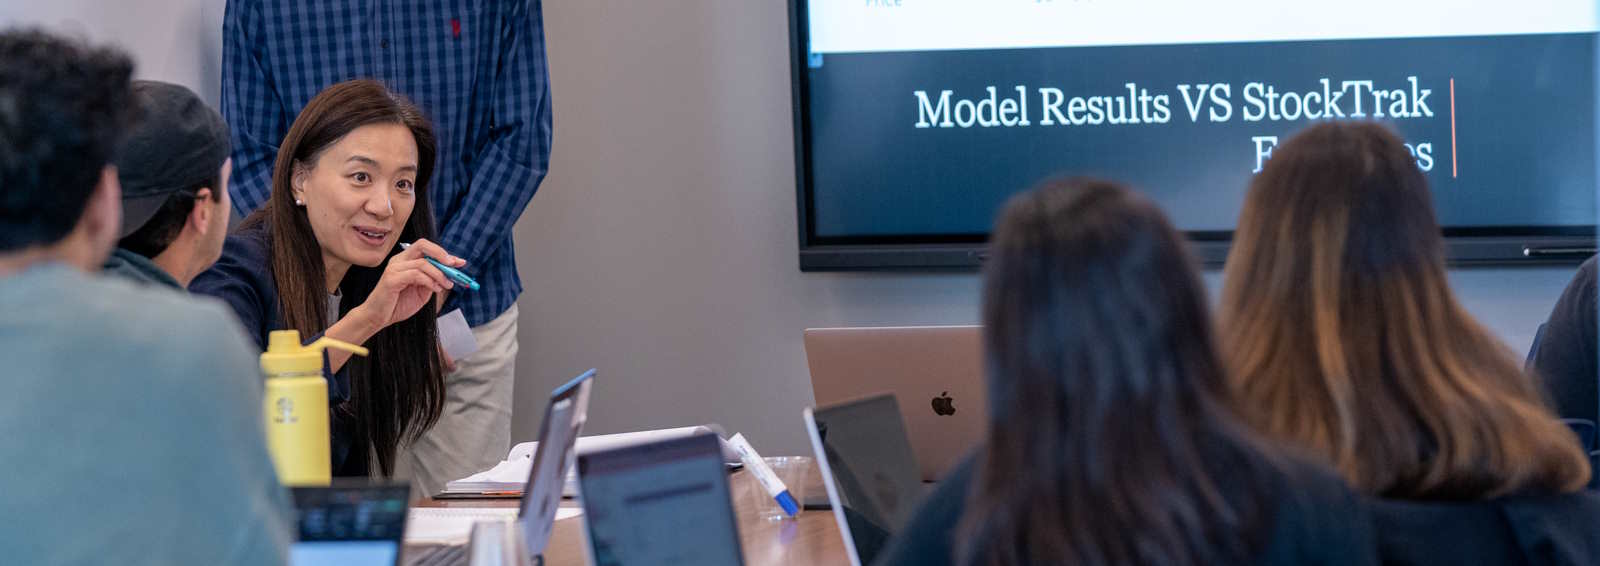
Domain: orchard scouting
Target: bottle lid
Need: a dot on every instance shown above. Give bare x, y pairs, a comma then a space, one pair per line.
286, 355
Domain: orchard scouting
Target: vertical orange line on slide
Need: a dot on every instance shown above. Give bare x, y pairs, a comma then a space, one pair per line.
1453, 166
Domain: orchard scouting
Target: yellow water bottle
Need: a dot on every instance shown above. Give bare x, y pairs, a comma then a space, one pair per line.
297, 407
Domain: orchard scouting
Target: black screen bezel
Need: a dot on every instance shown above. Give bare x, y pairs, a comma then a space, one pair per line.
1466, 245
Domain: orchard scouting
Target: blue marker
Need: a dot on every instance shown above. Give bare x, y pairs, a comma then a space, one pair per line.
769, 480
451, 272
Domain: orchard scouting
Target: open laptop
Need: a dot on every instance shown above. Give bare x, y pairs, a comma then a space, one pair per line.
867, 469
659, 503
564, 417
936, 372
351, 523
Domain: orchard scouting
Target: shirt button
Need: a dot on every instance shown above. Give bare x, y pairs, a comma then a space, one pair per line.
384, 44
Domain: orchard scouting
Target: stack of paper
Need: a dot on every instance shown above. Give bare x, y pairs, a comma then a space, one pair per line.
508, 478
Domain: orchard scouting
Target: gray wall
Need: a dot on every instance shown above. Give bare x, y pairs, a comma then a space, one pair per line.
176, 41
661, 248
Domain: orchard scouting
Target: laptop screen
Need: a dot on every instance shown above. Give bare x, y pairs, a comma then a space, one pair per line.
563, 422
873, 468
356, 525
660, 503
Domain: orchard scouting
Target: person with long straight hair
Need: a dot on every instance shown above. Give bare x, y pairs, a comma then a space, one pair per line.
1342, 337
323, 257
1109, 439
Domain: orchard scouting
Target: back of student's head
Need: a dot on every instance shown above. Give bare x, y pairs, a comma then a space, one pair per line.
172, 161
1107, 442
63, 107
1342, 334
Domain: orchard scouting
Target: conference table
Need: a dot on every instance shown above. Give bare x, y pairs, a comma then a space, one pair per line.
811, 538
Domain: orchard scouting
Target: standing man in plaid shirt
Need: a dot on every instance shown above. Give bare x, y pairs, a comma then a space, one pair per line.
477, 68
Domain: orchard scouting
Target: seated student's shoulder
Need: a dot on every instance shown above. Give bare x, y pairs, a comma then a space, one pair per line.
250, 240
242, 279
245, 253
1554, 529
1557, 529
140, 324
96, 343
1315, 517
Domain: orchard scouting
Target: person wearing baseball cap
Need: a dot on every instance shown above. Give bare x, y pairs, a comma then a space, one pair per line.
174, 169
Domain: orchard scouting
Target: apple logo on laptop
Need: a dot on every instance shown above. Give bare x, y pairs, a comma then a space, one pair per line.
943, 405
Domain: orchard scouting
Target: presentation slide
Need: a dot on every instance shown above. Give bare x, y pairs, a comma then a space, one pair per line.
925, 115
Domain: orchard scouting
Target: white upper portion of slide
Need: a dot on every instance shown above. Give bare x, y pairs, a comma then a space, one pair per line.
843, 26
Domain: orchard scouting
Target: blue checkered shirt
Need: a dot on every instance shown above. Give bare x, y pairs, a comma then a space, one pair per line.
476, 67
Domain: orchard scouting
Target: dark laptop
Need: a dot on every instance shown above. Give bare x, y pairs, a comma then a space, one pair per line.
659, 503
564, 417
869, 471
349, 524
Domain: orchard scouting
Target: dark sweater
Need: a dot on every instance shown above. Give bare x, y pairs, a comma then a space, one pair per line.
242, 277
1317, 521
1565, 355
1555, 530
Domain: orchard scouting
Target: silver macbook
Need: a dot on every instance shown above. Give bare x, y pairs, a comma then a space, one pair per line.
935, 372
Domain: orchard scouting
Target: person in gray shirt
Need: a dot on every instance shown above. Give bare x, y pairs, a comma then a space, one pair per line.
173, 168
132, 416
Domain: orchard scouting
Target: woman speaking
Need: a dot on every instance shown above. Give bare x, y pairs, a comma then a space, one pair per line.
323, 257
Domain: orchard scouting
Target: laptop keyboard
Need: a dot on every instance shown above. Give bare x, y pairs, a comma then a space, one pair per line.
453, 555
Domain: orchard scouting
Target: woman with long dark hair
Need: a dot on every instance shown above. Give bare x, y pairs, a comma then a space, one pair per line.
1109, 439
322, 257
1343, 337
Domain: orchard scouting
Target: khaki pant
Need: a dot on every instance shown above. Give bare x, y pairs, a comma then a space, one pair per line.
474, 431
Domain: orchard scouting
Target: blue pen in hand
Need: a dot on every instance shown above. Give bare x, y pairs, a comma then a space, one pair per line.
451, 272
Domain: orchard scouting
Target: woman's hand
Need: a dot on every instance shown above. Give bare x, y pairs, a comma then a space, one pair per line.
407, 283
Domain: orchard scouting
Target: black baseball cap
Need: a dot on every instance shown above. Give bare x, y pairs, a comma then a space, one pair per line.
177, 143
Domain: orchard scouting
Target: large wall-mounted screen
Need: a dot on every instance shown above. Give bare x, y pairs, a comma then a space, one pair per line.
916, 119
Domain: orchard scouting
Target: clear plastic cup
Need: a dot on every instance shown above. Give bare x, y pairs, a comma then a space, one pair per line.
796, 472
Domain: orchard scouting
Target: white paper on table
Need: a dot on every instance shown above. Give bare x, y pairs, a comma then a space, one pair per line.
455, 336
512, 473
453, 525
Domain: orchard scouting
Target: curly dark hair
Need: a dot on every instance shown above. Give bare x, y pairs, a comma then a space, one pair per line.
64, 106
